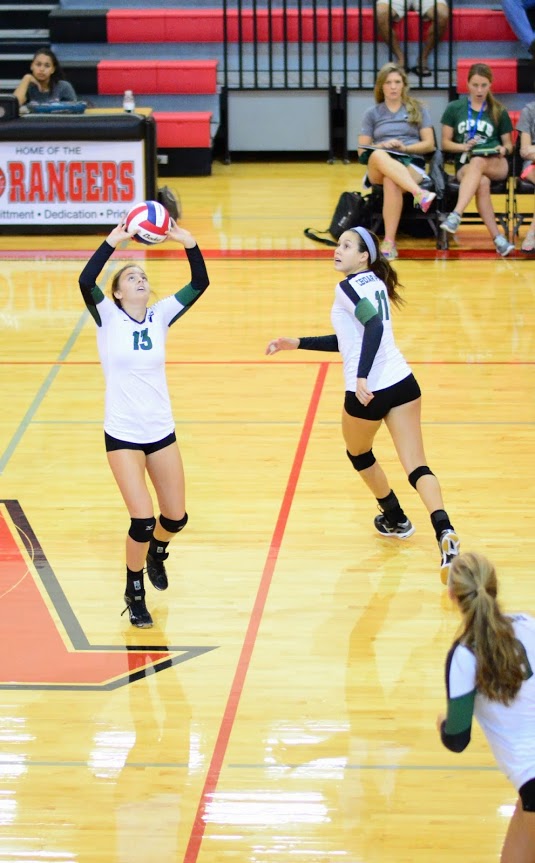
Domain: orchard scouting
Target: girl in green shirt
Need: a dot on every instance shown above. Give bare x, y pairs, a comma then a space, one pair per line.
476, 129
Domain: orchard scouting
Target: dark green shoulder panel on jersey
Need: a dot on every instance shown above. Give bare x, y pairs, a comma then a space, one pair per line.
365, 311
97, 297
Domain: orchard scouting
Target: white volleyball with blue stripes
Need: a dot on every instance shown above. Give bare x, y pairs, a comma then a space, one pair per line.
150, 220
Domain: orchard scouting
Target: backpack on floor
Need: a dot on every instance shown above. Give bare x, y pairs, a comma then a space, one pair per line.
351, 211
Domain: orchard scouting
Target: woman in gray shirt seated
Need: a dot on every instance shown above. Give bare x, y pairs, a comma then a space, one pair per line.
44, 82
400, 123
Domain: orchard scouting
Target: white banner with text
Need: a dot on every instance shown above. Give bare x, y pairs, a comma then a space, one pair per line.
69, 182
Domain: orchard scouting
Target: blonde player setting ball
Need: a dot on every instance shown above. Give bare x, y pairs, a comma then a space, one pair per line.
379, 386
489, 674
139, 429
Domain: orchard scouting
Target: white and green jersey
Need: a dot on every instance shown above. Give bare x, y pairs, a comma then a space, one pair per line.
132, 353
356, 300
510, 730
137, 407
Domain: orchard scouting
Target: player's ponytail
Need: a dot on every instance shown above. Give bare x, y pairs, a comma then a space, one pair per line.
369, 242
487, 632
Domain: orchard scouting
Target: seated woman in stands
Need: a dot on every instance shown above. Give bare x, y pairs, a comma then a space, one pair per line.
477, 131
44, 82
526, 127
399, 123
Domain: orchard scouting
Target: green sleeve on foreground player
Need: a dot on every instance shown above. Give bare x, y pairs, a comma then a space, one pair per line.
460, 712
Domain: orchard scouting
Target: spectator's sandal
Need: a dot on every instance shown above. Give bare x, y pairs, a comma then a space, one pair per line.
421, 71
528, 244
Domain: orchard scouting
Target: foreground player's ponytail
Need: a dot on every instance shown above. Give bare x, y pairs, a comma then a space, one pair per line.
486, 631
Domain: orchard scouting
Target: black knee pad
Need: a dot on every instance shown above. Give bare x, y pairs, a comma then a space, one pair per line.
362, 461
173, 526
415, 475
141, 529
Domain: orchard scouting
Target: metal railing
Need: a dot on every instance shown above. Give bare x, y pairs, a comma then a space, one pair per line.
284, 44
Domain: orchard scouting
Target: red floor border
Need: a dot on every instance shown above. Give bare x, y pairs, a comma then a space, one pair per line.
260, 254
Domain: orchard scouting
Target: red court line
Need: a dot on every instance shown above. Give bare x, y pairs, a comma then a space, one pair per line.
257, 254
166, 254
236, 689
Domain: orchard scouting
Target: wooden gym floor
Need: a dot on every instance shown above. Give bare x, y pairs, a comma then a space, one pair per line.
283, 706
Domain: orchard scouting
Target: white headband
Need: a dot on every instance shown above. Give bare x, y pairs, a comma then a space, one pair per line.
370, 245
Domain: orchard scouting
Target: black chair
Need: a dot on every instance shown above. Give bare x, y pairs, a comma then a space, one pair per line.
523, 200
503, 212
413, 220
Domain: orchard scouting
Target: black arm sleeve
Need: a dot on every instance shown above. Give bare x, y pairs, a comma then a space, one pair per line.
455, 742
199, 275
190, 293
373, 333
319, 343
373, 328
91, 271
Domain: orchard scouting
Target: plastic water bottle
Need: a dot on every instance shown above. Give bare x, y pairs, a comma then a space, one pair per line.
129, 104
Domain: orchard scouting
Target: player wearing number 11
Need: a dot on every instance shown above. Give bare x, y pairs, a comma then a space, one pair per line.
139, 429
379, 386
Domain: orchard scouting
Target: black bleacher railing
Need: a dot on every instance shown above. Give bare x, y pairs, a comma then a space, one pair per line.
284, 44
321, 44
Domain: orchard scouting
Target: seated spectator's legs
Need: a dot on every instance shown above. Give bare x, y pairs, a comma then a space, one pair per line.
395, 178
392, 206
388, 13
471, 178
484, 206
438, 16
516, 12
381, 164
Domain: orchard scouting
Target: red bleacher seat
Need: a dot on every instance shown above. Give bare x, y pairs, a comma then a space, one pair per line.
157, 76
179, 129
206, 25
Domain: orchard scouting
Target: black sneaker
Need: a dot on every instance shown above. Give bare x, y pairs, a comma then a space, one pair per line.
137, 611
449, 546
156, 571
401, 530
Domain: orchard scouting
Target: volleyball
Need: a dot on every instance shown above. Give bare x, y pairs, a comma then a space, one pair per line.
151, 220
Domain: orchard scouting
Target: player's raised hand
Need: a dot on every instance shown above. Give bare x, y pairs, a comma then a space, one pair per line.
118, 234
181, 235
